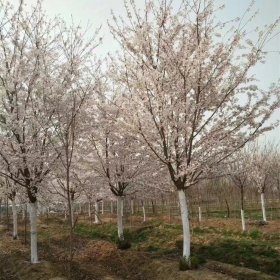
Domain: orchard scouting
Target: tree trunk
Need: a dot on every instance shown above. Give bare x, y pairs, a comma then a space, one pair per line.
228, 210
25, 225
33, 232
102, 207
119, 217
132, 206
72, 213
242, 209
243, 220
169, 209
263, 207
7, 214
96, 217
199, 215
89, 210
122, 205
48, 214
153, 207
185, 223
162, 204
14, 210
144, 211
112, 207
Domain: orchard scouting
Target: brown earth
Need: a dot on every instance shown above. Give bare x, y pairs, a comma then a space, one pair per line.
100, 259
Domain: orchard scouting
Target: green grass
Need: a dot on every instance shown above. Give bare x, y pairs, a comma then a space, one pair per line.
253, 214
109, 232
245, 253
253, 234
251, 249
106, 231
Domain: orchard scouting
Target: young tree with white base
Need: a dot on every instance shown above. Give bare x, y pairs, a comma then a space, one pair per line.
185, 81
263, 160
239, 173
119, 157
27, 60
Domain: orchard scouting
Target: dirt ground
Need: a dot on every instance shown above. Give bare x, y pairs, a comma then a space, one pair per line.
100, 259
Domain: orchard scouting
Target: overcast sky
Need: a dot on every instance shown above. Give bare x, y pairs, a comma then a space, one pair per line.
97, 12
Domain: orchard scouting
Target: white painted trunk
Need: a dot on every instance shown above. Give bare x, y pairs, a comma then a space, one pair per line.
185, 223
119, 217
102, 207
132, 207
112, 207
263, 207
23, 212
199, 214
96, 217
243, 220
122, 204
14, 209
89, 209
33, 231
144, 212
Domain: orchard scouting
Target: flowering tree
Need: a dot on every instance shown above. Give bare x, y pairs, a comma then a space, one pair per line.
190, 94
92, 185
27, 59
155, 185
264, 162
119, 157
44, 78
76, 80
121, 165
240, 174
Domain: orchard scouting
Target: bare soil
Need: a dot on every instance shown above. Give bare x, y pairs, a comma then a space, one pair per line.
100, 259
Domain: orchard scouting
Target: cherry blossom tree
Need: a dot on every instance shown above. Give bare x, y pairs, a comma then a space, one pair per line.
120, 165
27, 59
93, 187
190, 94
119, 157
44, 77
240, 174
76, 81
264, 161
